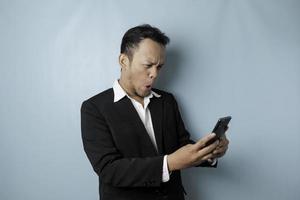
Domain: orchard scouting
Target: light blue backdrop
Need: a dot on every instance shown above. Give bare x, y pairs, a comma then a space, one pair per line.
226, 57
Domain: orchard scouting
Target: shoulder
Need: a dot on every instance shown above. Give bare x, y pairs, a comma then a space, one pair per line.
161, 92
100, 100
166, 96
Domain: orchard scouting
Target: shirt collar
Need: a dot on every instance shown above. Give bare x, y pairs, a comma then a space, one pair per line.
119, 93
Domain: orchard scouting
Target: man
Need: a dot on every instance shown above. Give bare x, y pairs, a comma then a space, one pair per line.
133, 134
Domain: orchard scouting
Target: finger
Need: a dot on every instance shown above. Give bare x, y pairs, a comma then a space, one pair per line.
222, 146
220, 150
208, 149
223, 142
219, 155
201, 143
209, 157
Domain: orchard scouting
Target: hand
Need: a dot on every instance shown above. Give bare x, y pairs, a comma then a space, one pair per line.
221, 148
192, 154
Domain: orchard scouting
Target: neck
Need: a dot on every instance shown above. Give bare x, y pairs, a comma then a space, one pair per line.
129, 93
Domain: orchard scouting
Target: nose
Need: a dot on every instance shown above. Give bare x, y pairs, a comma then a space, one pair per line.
153, 73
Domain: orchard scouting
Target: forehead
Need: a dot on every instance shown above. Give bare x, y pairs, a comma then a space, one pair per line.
149, 50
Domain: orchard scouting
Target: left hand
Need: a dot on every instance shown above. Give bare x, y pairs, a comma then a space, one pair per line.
221, 148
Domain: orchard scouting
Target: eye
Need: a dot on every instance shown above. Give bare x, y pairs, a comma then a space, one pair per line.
159, 66
148, 65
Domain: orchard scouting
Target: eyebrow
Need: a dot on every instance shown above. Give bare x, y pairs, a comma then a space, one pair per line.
150, 62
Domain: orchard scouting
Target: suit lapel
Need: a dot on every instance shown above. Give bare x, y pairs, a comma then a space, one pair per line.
156, 110
129, 113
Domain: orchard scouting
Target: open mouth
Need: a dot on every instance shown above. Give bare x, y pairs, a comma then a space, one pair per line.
148, 87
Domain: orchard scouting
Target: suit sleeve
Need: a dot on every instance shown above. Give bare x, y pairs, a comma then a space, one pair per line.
184, 135
108, 162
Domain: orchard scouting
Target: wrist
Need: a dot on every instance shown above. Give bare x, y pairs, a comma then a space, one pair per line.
170, 163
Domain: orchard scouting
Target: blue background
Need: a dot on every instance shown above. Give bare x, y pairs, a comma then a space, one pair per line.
238, 58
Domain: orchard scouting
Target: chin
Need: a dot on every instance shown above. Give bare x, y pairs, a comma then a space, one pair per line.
144, 94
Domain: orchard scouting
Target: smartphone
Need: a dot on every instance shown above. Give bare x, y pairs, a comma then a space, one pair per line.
220, 128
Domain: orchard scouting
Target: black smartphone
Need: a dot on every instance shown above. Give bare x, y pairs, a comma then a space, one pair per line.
220, 128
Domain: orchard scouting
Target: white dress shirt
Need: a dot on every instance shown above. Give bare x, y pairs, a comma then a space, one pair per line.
145, 116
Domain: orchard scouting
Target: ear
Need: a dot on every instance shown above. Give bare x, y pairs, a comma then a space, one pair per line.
123, 61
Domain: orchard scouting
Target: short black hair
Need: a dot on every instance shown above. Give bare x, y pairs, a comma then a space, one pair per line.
135, 35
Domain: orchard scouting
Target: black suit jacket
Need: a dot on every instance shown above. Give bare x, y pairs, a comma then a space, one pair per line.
121, 152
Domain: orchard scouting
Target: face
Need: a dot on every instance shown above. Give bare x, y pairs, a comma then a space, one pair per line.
139, 74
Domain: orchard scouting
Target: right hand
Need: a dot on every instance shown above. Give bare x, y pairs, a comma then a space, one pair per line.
192, 154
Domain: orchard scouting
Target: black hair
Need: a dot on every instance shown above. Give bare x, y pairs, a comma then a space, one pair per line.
135, 35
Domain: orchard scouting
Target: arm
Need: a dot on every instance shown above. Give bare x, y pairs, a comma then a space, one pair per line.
190, 153
107, 161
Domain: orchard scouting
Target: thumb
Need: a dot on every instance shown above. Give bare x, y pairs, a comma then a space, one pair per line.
201, 143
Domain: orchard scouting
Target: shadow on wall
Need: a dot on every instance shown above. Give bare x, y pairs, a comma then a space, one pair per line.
195, 180
171, 70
